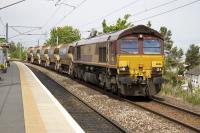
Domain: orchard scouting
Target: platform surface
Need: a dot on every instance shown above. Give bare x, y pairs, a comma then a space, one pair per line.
11, 104
27, 106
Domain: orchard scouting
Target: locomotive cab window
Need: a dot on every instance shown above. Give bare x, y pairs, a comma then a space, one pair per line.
129, 46
152, 46
102, 54
78, 52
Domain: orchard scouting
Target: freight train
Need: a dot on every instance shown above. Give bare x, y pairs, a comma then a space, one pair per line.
128, 62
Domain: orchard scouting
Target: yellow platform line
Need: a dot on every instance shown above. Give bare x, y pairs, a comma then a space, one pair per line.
33, 121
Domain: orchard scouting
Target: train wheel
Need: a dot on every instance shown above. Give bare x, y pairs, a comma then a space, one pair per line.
148, 91
108, 85
122, 87
114, 89
85, 78
70, 71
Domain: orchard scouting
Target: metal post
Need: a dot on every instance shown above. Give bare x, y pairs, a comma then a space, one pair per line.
6, 32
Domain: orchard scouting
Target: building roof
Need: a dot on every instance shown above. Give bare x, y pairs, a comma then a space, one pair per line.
140, 29
194, 71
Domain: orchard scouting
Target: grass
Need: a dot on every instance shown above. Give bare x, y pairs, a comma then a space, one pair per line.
189, 96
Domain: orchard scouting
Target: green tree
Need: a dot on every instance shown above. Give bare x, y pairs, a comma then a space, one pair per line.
167, 34
66, 34
2, 40
192, 56
17, 51
149, 24
120, 24
174, 56
93, 33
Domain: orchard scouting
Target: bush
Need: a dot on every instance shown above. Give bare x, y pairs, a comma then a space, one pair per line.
176, 91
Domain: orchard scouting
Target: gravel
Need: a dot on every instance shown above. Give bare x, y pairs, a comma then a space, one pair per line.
131, 117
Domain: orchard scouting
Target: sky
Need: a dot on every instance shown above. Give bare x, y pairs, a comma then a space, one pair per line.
183, 22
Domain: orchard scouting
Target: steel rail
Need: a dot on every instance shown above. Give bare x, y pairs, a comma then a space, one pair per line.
174, 106
165, 116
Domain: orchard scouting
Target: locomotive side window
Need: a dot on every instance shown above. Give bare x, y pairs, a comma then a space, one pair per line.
152, 46
129, 46
78, 52
102, 54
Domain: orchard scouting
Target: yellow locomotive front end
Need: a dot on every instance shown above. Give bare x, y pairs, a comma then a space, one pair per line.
140, 64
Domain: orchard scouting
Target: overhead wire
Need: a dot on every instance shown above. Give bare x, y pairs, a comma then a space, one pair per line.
52, 15
70, 12
110, 13
168, 11
143, 11
22, 33
137, 13
155, 7
158, 6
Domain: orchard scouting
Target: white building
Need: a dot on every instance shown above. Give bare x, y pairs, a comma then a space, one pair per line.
194, 76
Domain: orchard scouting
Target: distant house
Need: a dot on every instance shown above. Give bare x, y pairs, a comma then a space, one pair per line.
193, 76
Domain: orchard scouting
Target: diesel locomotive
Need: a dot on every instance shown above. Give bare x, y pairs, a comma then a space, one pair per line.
128, 62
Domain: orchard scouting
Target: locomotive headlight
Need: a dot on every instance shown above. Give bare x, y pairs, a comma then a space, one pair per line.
156, 69
140, 36
124, 69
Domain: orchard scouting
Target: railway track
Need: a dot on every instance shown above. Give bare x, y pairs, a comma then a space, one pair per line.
173, 113
88, 118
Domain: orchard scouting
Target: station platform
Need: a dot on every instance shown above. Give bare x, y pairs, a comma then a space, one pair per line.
26, 105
